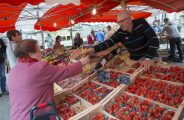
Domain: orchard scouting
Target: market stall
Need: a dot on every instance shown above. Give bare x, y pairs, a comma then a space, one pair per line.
122, 89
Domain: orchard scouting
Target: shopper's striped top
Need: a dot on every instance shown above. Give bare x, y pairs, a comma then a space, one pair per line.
142, 42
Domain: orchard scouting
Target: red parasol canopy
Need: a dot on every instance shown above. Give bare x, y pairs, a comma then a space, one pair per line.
61, 15
36, 2
111, 16
9, 15
166, 5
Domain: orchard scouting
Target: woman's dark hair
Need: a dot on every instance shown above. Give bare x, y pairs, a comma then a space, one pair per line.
3, 46
58, 37
12, 33
77, 34
166, 20
25, 47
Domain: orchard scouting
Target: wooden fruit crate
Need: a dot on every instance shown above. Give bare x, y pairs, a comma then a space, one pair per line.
93, 111
132, 76
158, 80
179, 115
57, 89
94, 78
168, 66
79, 107
111, 100
67, 83
182, 103
90, 79
71, 82
165, 81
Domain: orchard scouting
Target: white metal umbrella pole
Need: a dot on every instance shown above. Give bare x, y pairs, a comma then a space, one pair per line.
42, 35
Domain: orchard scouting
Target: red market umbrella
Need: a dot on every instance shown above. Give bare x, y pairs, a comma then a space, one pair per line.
111, 16
166, 5
59, 16
9, 15
36, 2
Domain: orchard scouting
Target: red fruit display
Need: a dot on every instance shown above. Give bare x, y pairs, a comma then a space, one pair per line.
92, 92
130, 71
65, 111
181, 90
112, 83
158, 91
87, 86
123, 98
168, 115
135, 108
144, 106
124, 113
93, 98
61, 106
156, 112
164, 98
136, 65
133, 88
114, 108
114, 74
90, 85
102, 90
85, 94
173, 73
69, 99
176, 101
100, 116
134, 100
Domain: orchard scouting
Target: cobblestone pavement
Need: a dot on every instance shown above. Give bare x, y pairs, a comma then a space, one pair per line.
4, 107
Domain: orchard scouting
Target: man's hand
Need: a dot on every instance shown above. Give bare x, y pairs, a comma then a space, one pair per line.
146, 63
91, 52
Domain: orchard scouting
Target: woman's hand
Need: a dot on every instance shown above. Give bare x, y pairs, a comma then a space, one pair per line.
84, 60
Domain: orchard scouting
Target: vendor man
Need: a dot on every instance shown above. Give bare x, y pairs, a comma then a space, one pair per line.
137, 35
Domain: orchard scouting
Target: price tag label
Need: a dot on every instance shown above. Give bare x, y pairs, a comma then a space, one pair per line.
103, 61
123, 79
103, 76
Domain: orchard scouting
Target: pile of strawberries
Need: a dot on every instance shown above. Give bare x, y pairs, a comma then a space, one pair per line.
128, 107
173, 73
65, 111
100, 116
92, 92
158, 91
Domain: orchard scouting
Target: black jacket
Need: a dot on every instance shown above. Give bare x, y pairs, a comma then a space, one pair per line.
142, 42
2, 51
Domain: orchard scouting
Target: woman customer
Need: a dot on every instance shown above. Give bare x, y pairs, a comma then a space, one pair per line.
31, 81
57, 44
